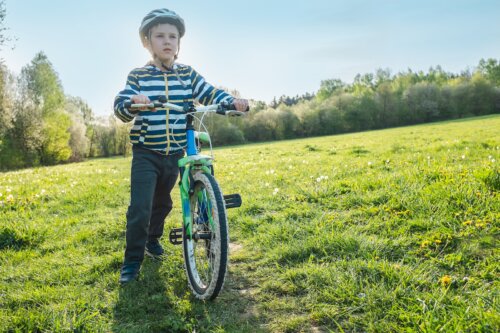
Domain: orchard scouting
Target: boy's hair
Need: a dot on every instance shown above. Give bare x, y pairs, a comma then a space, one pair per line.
159, 16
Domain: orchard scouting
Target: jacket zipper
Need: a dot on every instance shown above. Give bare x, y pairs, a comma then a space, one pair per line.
168, 114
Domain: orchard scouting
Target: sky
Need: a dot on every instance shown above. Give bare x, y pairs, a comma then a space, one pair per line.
261, 48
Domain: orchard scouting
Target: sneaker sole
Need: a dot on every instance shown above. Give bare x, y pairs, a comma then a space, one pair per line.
160, 257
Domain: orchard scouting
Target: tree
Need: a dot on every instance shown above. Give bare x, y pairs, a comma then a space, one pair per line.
55, 145
81, 116
43, 85
491, 69
6, 116
328, 87
40, 117
382, 76
423, 102
78, 107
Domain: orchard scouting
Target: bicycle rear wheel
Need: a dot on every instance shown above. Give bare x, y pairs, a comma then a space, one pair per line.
206, 253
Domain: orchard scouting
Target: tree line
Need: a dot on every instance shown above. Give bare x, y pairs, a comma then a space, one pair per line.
40, 125
373, 101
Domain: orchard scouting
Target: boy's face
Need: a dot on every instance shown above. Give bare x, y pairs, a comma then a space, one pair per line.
164, 42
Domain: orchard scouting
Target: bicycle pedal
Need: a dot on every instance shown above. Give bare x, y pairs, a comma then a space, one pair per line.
232, 200
175, 237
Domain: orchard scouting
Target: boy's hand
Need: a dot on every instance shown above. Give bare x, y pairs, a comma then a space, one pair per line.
240, 104
141, 99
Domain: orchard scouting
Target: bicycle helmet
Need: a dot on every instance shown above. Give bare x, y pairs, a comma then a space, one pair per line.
158, 16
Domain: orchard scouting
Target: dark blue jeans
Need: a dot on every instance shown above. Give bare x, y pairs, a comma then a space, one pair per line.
153, 177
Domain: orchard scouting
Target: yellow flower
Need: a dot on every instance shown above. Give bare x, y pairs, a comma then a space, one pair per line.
445, 280
425, 243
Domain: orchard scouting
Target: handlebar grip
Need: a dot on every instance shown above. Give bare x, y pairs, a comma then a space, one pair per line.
129, 105
231, 107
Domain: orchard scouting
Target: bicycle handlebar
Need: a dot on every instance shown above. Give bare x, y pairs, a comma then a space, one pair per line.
226, 109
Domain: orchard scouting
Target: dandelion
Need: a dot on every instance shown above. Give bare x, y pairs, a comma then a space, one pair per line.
445, 280
424, 244
321, 178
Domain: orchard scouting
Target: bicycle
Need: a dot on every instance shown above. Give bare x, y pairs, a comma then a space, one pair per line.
204, 234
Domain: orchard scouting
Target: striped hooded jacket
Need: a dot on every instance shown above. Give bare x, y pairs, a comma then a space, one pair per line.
164, 130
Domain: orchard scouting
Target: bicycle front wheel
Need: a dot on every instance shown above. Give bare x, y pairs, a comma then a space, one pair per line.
206, 251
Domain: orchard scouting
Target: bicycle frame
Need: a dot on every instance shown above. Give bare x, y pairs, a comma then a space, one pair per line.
191, 161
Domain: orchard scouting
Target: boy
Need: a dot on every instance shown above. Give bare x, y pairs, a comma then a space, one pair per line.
158, 136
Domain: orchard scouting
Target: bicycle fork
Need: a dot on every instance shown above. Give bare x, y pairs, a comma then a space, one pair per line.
186, 186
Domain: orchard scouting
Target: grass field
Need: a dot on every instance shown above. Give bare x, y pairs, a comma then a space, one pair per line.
384, 231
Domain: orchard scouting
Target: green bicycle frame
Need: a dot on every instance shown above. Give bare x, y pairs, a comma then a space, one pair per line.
192, 162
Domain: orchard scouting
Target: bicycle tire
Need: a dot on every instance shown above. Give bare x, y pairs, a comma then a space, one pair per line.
206, 259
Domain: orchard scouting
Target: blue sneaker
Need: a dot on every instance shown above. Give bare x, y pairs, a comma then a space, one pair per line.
130, 272
155, 250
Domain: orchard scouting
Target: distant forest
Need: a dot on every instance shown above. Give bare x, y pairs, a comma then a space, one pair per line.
40, 125
373, 101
